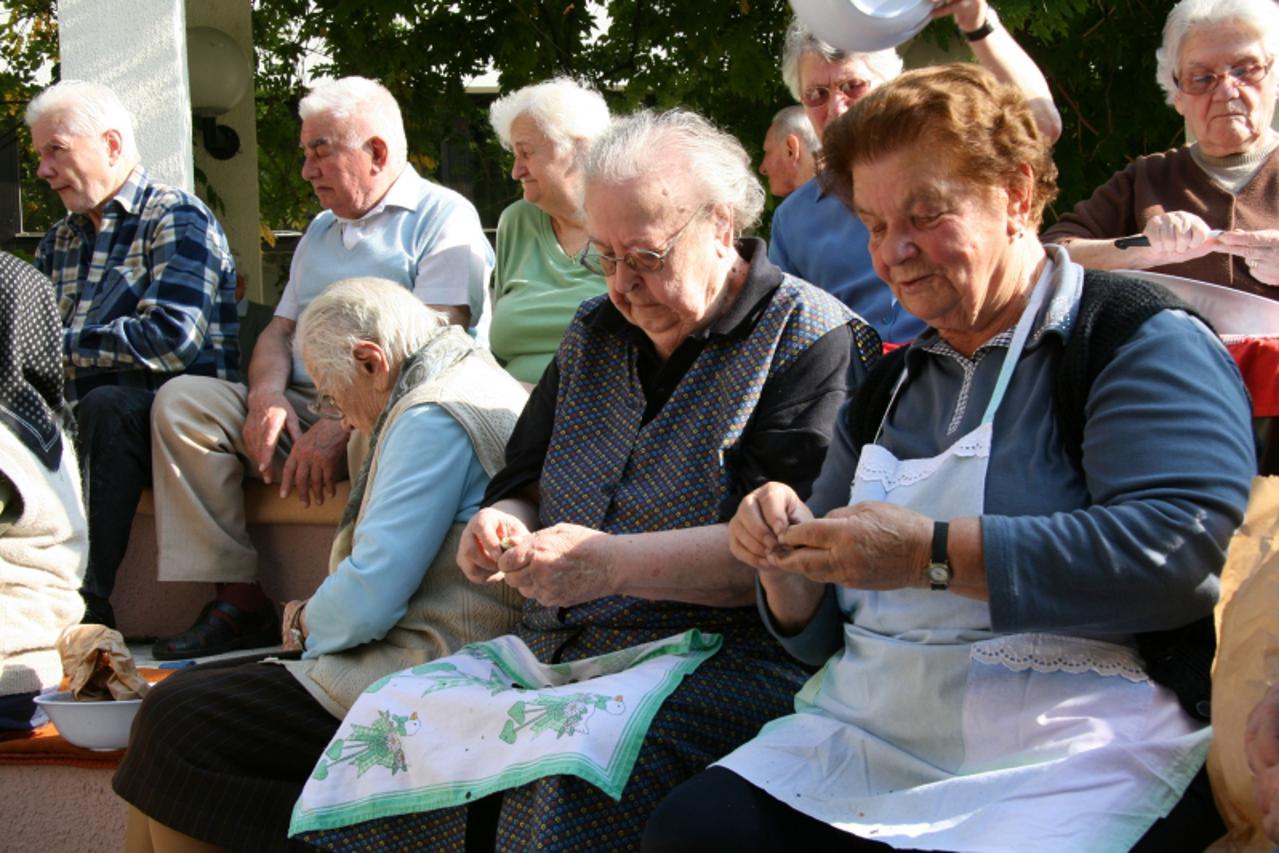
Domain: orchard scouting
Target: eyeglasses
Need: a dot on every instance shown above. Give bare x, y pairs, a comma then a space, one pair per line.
1207, 81
640, 260
817, 96
325, 407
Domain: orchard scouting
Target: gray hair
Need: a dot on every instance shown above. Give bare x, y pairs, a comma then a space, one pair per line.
83, 108
352, 99
711, 161
1261, 16
800, 40
794, 120
362, 309
570, 113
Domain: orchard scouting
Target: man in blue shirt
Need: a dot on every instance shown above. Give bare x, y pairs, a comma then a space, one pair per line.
814, 235
381, 219
145, 283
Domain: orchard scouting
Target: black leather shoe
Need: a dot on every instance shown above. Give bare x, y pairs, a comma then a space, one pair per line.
97, 610
221, 627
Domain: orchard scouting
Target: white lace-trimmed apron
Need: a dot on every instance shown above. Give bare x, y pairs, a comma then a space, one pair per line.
931, 731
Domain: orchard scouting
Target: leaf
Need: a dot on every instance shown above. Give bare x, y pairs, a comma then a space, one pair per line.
334, 752
508, 733
321, 771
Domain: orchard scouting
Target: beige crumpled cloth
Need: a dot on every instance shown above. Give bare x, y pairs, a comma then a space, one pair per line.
98, 665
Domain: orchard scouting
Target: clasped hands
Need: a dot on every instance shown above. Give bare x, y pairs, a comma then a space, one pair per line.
870, 545
317, 458
557, 566
1182, 236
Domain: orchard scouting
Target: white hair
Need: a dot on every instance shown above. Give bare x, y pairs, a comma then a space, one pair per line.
794, 120
82, 108
359, 99
678, 141
1260, 16
362, 309
887, 64
570, 113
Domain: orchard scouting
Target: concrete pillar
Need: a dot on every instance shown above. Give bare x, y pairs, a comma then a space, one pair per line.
138, 48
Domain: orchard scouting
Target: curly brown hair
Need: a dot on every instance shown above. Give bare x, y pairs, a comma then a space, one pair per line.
960, 111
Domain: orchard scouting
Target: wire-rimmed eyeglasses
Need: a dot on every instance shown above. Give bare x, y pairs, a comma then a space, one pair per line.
1250, 73
640, 260
324, 406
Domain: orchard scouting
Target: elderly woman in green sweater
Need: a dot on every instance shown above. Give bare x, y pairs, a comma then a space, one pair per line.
538, 282
1206, 210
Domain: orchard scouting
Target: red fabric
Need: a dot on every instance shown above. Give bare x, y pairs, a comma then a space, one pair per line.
1258, 360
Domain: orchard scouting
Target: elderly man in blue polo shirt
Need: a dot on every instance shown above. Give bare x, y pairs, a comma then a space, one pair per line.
145, 284
381, 220
814, 236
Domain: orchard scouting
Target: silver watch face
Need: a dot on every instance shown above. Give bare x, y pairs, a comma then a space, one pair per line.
939, 573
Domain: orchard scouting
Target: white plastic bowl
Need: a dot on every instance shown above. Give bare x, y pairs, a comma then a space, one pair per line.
863, 25
92, 725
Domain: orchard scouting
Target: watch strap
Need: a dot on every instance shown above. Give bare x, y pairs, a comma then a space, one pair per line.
987, 27
939, 573
941, 537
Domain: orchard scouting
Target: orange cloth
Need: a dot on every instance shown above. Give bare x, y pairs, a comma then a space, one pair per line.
45, 746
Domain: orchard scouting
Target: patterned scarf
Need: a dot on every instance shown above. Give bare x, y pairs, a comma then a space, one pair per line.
446, 348
31, 402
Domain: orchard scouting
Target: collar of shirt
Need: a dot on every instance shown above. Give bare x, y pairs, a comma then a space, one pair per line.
128, 198
403, 194
1056, 317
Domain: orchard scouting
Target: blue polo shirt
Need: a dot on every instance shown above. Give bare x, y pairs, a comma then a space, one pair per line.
817, 238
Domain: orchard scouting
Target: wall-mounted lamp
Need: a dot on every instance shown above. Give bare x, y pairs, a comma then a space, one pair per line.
220, 76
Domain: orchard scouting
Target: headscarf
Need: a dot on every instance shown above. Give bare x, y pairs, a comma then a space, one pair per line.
31, 402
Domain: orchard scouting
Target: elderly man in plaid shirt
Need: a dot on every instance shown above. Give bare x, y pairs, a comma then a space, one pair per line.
145, 283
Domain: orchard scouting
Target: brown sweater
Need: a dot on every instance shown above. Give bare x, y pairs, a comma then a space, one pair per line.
1162, 183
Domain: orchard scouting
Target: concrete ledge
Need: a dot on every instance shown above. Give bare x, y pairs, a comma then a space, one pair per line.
293, 547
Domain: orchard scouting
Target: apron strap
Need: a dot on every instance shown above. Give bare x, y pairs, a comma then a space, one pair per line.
1022, 332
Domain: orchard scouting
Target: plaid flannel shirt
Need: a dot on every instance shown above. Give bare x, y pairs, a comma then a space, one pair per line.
149, 295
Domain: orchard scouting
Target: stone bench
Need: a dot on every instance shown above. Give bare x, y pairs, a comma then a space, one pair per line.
293, 548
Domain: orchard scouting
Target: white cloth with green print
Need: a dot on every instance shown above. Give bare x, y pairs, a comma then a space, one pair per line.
488, 718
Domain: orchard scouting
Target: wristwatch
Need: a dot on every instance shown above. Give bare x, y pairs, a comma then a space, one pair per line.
987, 26
939, 572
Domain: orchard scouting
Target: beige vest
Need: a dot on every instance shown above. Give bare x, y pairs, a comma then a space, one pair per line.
42, 559
447, 611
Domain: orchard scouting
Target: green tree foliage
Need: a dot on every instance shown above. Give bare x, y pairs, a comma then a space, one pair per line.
719, 57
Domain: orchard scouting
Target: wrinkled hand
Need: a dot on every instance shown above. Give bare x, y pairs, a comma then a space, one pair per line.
488, 534
969, 14
293, 619
268, 417
762, 518
1261, 745
317, 463
559, 566
1179, 236
870, 545
1259, 249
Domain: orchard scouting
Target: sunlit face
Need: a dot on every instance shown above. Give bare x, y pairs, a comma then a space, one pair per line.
345, 178
80, 169
837, 85
943, 246
778, 166
550, 178
1234, 117
682, 297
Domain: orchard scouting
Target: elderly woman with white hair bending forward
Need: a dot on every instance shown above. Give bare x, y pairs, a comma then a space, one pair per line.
1206, 210
220, 752
704, 373
538, 283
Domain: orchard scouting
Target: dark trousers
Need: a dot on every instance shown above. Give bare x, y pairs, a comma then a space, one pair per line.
718, 810
114, 422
